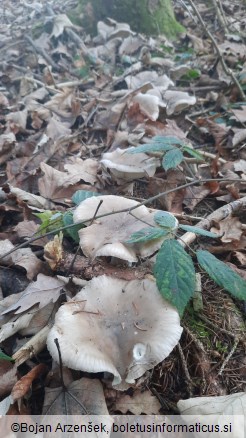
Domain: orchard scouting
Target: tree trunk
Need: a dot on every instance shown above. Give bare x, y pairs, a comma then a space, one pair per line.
151, 17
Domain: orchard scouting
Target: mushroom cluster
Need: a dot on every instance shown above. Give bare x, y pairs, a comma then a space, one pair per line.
121, 327
108, 235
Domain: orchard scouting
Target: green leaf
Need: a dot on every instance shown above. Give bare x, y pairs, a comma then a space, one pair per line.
175, 274
168, 139
81, 195
166, 220
5, 357
51, 221
151, 147
72, 231
198, 230
222, 274
158, 144
146, 234
172, 159
193, 152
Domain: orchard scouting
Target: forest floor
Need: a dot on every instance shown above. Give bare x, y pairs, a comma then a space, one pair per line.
69, 104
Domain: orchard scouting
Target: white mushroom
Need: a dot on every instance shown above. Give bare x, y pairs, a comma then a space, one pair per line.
123, 328
124, 168
107, 236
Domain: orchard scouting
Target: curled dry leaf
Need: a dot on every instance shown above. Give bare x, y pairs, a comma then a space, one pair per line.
123, 328
124, 168
23, 385
22, 257
107, 235
40, 292
32, 200
8, 377
230, 228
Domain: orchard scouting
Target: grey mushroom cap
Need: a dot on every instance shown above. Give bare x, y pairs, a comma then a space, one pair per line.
107, 236
115, 326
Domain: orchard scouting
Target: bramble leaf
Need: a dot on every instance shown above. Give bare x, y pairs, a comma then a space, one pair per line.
146, 234
222, 274
71, 231
198, 230
175, 274
166, 220
81, 195
172, 159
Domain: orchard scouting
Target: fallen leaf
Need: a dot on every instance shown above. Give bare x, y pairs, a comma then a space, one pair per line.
40, 292
230, 228
8, 377
139, 403
23, 385
86, 398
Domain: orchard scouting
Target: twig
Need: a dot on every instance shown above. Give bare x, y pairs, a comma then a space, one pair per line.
189, 382
224, 66
220, 17
217, 215
32, 347
229, 356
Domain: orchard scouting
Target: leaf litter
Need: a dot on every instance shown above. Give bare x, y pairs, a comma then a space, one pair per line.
72, 108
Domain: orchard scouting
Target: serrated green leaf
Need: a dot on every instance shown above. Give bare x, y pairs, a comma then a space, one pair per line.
166, 220
158, 144
72, 231
198, 230
193, 152
222, 274
172, 159
81, 195
175, 274
51, 221
146, 234
168, 139
151, 147
5, 357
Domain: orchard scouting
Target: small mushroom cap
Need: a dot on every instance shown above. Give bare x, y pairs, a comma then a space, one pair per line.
115, 326
107, 235
124, 168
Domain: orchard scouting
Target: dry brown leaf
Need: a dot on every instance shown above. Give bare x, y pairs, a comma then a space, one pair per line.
173, 201
41, 292
32, 200
87, 392
52, 184
85, 170
194, 195
8, 376
140, 403
241, 257
23, 385
230, 228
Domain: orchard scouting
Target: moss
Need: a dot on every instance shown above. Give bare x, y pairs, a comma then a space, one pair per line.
159, 20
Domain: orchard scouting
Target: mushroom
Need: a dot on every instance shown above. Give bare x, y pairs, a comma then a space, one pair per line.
115, 326
124, 168
107, 235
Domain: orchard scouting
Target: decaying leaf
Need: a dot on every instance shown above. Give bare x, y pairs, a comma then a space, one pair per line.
23, 385
139, 403
40, 292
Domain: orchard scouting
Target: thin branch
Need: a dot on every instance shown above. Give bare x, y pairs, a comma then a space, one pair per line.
227, 71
